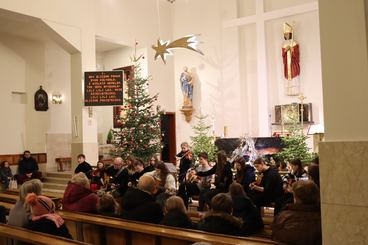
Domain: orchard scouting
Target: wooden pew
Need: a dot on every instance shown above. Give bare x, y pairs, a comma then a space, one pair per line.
45, 193
12, 197
10, 233
7, 205
106, 230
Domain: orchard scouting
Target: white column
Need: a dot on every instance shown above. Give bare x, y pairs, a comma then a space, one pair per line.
263, 93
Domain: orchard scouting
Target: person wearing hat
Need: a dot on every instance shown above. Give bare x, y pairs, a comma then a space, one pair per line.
43, 216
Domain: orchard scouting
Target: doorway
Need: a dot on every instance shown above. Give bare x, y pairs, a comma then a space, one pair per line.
168, 137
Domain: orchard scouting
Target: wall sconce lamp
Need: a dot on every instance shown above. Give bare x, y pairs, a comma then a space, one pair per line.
56, 98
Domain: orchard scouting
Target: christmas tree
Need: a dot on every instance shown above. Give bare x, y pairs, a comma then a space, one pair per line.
140, 133
295, 146
203, 141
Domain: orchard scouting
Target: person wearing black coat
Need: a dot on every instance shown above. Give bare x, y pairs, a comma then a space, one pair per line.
139, 204
244, 208
219, 219
28, 168
43, 216
185, 156
83, 166
47, 226
270, 188
119, 177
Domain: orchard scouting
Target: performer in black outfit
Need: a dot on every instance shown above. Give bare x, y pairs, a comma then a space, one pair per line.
270, 187
185, 157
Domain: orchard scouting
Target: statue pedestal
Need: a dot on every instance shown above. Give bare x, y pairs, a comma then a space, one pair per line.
187, 111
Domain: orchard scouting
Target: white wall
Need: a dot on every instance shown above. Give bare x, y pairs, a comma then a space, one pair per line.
25, 66
307, 35
12, 130
226, 77
125, 21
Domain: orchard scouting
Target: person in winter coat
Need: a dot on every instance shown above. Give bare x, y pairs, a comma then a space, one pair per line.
43, 218
139, 204
219, 219
78, 197
20, 213
300, 222
5, 174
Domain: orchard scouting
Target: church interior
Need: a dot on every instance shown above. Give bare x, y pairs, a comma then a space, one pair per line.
248, 69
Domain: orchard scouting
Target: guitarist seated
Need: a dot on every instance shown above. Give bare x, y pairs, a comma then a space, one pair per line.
194, 185
119, 177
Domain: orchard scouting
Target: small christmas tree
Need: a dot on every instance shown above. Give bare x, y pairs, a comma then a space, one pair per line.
203, 141
295, 146
140, 133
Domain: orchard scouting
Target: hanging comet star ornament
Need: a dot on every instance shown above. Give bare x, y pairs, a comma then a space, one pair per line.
164, 48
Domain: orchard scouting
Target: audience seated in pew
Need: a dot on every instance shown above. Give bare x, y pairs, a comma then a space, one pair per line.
219, 219
20, 214
43, 216
5, 174
176, 213
139, 204
107, 205
300, 222
78, 197
244, 208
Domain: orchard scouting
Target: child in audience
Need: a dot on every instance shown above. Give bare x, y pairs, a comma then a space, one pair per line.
176, 213
5, 174
43, 218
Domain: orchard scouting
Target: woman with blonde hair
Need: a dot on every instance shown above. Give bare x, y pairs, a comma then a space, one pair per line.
20, 214
78, 196
176, 213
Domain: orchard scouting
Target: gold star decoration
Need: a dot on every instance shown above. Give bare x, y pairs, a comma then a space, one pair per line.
164, 48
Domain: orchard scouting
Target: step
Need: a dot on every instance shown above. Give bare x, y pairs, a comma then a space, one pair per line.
56, 180
52, 186
65, 175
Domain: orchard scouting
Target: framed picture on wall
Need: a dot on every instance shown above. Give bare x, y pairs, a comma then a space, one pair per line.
118, 111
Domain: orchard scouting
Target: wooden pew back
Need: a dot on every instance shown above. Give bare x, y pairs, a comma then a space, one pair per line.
10, 233
106, 230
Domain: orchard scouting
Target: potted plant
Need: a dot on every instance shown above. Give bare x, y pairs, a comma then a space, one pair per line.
109, 136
